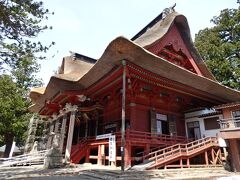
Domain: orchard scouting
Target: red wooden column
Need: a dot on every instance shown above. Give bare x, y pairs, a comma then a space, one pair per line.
181, 163
123, 115
147, 148
101, 155
188, 163
213, 156
206, 158
234, 147
99, 160
133, 115
128, 153
87, 155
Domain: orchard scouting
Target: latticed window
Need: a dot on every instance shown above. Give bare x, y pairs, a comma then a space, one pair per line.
236, 114
236, 118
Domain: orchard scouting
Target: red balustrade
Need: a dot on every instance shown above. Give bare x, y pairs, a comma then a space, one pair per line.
165, 155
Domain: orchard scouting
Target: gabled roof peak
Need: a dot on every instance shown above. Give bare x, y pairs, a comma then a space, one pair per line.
77, 56
168, 11
160, 17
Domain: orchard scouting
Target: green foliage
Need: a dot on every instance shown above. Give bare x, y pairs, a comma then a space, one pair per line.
220, 47
20, 21
24, 73
20, 24
13, 108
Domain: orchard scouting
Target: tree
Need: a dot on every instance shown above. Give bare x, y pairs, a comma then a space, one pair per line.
20, 23
14, 101
220, 47
13, 111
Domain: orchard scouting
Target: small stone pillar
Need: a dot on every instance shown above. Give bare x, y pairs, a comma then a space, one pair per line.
53, 158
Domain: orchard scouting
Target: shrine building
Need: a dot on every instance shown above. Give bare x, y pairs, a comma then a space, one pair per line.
153, 93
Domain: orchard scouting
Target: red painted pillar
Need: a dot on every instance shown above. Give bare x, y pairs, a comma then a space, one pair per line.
235, 156
188, 162
146, 151
181, 163
133, 119
87, 155
147, 148
213, 156
128, 157
99, 160
206, 158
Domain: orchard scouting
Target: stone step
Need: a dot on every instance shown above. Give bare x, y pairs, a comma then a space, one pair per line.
97, 175
142, 166
155, 174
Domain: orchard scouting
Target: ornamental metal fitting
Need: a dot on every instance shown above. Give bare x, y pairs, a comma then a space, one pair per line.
69, 107
54, 116
124, 62
168, 11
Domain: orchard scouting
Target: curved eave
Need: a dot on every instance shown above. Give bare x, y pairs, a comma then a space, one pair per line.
36, 93
56, 84
122, 48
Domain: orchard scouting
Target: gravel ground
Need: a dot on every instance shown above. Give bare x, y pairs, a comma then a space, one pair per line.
91, 172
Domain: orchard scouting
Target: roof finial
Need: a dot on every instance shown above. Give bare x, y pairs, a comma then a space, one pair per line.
73, 55
167, 11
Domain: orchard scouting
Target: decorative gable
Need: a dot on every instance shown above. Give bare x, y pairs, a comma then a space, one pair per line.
172, 48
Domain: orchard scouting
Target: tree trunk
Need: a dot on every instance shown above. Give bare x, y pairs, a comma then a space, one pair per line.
8, 142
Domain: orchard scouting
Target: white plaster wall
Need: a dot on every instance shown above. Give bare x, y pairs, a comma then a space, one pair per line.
204, 133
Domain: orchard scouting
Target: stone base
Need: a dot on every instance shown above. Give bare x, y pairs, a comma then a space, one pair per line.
53, 159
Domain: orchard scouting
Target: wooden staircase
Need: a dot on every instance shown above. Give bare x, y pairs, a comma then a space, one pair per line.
138, 138
178, 152
79, 150
32, 158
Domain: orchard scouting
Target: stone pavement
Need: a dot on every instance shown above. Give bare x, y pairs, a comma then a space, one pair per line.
93, 172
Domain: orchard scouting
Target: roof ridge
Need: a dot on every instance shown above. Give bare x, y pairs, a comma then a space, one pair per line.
149, 25
160, 17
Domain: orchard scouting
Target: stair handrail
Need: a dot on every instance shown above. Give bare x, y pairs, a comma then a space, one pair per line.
164, 150
25, 158
184, 147
168, 154
175, 146
143, 153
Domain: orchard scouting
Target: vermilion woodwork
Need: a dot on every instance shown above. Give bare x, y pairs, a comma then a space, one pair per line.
178, 48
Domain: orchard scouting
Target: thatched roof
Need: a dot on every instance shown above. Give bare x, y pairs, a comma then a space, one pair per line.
157, 29
78, 75
122, 48
71, 70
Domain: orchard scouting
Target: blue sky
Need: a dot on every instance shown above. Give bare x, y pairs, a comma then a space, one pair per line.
88, 26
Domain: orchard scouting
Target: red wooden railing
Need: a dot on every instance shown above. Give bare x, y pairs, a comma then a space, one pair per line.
131, 136
179, 150
155, 138
142, 137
